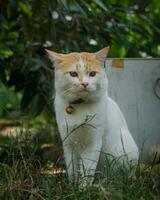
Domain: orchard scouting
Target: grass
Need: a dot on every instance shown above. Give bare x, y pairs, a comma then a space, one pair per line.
24, 174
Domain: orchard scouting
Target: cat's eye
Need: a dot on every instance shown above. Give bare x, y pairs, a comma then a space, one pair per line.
73, 74
93, 73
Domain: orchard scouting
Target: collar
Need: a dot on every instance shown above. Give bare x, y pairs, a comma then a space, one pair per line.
77, 101
70, 109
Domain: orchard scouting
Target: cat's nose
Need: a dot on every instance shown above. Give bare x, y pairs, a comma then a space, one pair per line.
85, 84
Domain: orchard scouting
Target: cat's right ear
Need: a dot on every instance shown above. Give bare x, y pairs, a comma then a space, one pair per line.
55, 58
102, 54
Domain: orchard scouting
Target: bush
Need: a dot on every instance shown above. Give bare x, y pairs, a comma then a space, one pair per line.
29, 26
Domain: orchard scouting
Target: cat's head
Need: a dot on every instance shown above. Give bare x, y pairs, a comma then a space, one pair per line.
80, 75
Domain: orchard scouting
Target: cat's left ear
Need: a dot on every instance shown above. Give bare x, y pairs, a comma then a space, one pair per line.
55, 57
102, 54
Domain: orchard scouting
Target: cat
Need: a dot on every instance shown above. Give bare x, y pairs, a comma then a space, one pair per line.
89, 121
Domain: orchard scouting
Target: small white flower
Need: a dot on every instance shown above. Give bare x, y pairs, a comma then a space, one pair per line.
55, 15
68, 18
92, 42
109, 24
143, 54
136, 7
47, 44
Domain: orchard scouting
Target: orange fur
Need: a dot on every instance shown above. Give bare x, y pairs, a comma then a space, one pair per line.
91, 63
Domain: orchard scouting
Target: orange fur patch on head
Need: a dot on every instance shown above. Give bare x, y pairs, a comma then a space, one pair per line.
90, 62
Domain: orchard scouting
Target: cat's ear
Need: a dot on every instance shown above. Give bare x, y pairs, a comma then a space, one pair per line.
102, 54
55, 57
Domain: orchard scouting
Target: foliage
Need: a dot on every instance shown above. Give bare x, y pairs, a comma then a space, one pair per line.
131, 28
8, 100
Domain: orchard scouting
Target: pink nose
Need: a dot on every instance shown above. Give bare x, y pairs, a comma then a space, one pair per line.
85, 84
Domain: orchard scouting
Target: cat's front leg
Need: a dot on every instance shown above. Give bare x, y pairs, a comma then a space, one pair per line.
88, 163
71, 160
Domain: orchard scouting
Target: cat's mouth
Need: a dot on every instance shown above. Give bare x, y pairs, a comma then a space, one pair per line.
83, 93
87, 89
84, 90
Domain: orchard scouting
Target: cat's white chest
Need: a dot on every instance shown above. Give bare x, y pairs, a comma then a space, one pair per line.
83, 125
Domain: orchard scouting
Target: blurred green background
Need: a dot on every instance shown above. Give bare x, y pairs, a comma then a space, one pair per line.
27, 27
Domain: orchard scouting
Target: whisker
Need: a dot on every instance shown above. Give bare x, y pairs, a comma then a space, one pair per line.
68, 90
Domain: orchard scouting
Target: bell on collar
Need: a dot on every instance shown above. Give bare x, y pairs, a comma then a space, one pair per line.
70, 109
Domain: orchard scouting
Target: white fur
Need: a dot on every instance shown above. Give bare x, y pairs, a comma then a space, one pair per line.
104, 131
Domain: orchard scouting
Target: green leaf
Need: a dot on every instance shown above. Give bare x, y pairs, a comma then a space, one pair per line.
101, 5
150, 22
81, 10
5, 52
65, 4
25, 8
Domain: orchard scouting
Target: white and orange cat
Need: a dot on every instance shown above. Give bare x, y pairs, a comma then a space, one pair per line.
89, 121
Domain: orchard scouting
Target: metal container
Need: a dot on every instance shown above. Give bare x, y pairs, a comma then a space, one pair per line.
135, 85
